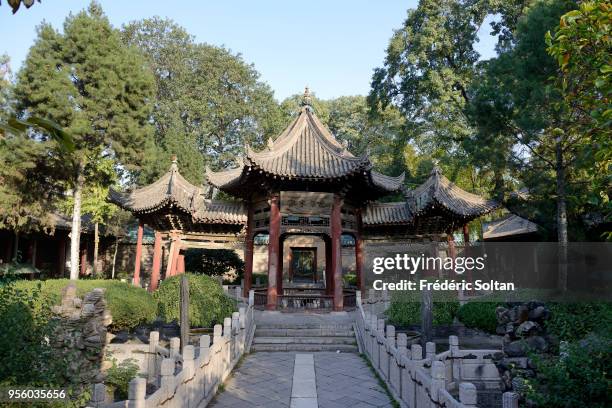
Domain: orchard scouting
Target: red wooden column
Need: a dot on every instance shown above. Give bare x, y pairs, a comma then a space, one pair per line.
329, 274
136, 279
336, 250
359, 254
279, 273
61, 259
157, 252
175, 256
84, 258
273, 252
180, 264
248, 252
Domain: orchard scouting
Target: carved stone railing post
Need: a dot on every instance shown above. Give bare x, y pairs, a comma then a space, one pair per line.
510, 400
438, 382
152, 370
468, 395
217, 358
166, 381
98, 395
136, 393
205, 364
430, 350
251, 297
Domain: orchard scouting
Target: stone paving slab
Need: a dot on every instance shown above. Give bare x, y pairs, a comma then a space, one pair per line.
266, 379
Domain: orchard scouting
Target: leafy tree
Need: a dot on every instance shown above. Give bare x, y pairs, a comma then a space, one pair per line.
98, 90
95, 201
209, 101
582, 47
429, 70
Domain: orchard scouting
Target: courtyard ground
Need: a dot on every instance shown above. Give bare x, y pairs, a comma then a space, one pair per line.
302, 380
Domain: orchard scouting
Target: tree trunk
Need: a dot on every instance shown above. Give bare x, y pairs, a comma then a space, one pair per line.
561, 216
115, 257
96, 245
75, 232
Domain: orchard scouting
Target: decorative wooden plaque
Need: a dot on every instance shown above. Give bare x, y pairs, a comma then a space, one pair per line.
306, 203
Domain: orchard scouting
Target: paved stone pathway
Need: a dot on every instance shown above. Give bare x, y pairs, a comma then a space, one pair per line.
268, 380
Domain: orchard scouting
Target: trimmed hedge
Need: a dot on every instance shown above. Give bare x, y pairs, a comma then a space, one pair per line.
405, 308
479, 315
208, 304
129, 305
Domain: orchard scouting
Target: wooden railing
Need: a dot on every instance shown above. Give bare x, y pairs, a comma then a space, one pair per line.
305, 302
304, 299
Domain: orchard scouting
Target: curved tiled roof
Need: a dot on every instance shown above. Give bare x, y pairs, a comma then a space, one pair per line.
442, 191
508, 226
306, 150
223, 179
387, 182
225, 212
172, 189
387, 214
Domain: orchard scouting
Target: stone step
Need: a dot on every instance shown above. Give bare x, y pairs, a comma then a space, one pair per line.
345, 348
341, 340
305, 326
286, 332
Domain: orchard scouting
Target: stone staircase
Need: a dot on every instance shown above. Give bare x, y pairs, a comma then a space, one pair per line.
304, 336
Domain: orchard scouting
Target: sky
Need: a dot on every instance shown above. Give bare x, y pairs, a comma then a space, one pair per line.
332, 46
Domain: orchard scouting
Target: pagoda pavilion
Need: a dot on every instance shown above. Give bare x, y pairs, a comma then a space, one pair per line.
305, 182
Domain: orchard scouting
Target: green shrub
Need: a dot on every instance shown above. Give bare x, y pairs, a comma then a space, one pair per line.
208, 304
350, 279
216, 262
574, 321
129, 305
479, 315
405, 308
25, 358
119, 376
581, 378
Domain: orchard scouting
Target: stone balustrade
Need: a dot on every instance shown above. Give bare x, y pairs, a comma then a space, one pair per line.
190, 378
420, 378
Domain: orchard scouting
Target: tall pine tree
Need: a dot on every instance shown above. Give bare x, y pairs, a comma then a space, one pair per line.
96, 88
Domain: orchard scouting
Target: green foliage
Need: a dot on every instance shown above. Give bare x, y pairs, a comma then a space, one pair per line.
582, 45
580, 377
22, 338
119, 376
215, 262
405, 308
209, 101
129, 305
574, 321
479, 315
208, 304
350, 279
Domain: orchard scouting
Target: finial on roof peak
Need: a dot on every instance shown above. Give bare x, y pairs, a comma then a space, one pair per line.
306, 99
174, 165
436, 170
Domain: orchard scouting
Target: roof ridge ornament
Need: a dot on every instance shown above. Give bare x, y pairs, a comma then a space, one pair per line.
307, 99
174, 165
